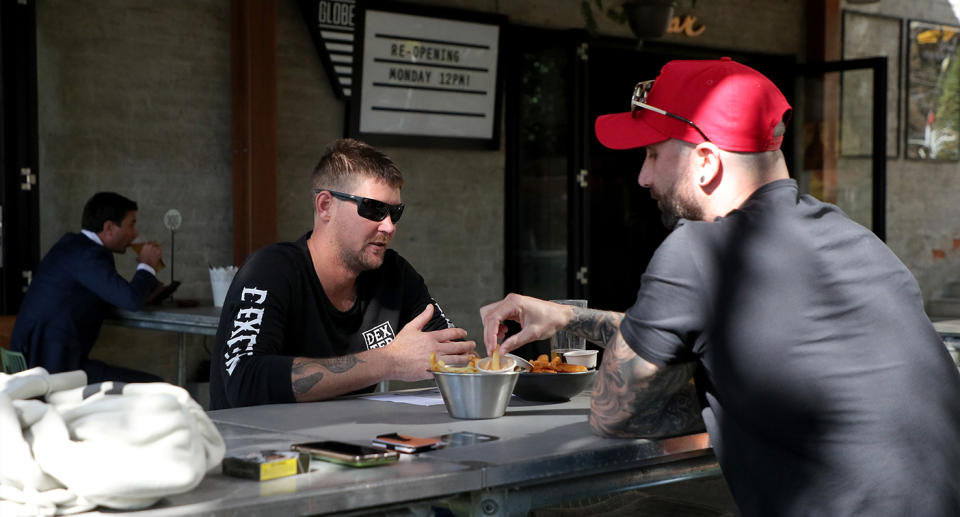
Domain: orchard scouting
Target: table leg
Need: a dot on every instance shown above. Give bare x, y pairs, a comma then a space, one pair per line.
181, 359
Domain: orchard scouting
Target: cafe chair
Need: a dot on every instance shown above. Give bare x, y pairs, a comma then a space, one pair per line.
13, 362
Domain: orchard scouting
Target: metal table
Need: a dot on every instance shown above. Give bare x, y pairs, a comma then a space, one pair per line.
545, 454
947, 328
202, 320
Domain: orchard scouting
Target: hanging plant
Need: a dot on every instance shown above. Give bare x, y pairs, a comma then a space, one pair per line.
646, 18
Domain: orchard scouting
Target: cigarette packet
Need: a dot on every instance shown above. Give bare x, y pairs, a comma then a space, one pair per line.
268, 464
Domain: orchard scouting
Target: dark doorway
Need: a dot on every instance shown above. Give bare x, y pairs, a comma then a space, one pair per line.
544, 152
623, 221
577, 223
19, 156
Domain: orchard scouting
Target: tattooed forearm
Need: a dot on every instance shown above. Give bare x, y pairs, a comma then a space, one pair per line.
303, 385
600, 327
304, 376
340, 364
633, 398
306, 373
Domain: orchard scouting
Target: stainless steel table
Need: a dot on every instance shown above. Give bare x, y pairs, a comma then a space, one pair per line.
201, 320
948, 328
545, 454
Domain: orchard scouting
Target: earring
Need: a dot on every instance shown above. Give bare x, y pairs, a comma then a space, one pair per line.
702, 179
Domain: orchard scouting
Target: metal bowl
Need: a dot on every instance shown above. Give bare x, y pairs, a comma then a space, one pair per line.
552, 387
476, 395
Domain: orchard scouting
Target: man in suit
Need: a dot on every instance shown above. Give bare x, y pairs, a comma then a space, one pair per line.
75, 285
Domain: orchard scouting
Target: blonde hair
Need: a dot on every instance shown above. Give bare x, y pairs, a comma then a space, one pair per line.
345, 160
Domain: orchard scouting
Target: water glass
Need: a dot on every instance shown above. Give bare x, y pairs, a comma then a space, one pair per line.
563, 341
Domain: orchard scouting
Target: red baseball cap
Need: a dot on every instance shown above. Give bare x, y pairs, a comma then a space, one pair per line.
736, 108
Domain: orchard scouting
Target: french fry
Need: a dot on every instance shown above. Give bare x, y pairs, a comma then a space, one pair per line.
437, 365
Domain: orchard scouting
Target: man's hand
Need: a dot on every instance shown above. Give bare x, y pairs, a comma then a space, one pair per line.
150, 254
410, 351
538, 319
406, 358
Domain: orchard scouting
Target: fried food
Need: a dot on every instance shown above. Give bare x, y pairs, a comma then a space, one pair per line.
543, 364
495, 362
437, 365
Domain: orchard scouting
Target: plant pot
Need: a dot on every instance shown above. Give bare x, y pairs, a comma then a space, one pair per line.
649, 18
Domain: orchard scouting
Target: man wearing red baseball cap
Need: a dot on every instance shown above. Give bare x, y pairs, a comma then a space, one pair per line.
822, 383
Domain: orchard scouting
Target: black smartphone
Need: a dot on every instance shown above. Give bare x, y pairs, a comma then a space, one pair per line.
164, 293
463, 438
347, 453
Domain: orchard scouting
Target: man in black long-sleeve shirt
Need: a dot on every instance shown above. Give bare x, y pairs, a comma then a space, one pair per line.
336, 311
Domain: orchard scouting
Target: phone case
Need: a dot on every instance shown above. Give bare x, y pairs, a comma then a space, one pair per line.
367, 459
405, 443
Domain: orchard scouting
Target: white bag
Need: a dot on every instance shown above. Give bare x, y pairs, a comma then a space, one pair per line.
122, 446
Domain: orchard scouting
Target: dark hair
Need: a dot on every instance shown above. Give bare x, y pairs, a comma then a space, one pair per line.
103, 207
346, 158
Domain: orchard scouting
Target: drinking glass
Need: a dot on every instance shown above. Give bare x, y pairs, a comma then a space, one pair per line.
563, 341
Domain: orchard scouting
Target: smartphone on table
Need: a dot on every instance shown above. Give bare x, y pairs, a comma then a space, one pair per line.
347, 453
405, 443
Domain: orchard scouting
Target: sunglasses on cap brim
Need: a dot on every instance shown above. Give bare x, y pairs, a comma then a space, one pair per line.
367, 208
639, 101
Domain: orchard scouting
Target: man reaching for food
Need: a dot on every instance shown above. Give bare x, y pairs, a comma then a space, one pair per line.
336, 311
823, 385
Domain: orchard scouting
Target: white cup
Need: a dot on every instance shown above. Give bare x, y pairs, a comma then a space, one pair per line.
220, 280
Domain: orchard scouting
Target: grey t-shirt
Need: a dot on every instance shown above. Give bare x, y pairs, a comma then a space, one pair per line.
827, 390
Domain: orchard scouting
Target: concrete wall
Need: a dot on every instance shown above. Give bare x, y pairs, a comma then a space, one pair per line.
134, 96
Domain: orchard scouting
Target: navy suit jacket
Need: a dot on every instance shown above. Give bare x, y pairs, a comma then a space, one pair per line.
72, 289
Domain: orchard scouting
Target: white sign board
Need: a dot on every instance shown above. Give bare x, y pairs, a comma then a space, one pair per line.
427, 76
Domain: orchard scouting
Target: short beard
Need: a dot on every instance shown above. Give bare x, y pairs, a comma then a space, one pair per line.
679, 204
359, 262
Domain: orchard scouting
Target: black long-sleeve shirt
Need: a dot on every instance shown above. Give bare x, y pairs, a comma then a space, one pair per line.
276, 310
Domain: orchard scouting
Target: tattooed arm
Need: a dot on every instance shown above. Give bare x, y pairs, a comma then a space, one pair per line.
407, 358
319, 379
633, 397
599, 327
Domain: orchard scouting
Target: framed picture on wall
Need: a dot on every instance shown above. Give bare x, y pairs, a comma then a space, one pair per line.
933, 91
426, 76
869, 35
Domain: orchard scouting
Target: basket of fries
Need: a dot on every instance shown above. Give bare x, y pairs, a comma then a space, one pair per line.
552, 381
473, 393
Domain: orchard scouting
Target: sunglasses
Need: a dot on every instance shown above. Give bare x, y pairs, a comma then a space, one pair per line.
369, 208
639, 100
